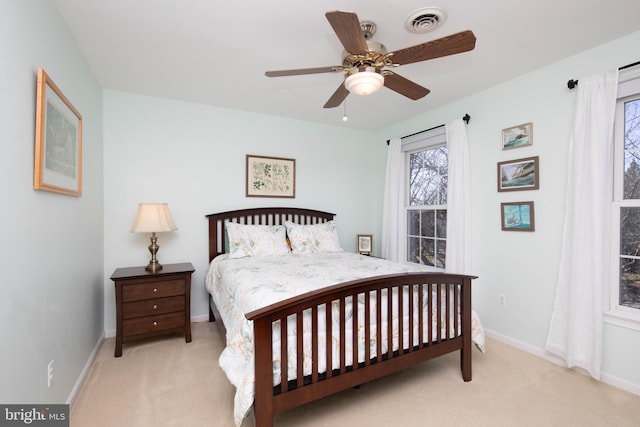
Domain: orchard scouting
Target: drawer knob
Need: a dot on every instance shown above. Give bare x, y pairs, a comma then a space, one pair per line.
155, 306
155, 323
155, 290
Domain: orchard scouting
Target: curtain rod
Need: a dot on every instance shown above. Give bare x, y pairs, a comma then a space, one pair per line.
466, 119
573, 83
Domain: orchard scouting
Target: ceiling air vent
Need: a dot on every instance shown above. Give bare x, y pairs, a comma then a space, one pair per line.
425, 19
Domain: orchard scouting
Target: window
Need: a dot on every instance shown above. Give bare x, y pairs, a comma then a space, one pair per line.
427, 166
625, 290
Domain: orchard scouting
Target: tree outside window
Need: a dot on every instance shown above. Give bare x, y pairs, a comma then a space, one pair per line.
629, 295
427, 212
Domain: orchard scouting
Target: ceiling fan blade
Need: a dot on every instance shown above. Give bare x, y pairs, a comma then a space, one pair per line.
338, 96
404, 86
346, 25
445, 46
301, 71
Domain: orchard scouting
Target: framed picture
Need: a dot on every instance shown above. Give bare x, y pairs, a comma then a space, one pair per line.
58, 150
271, 177
364, 243
518, 175
517, 136
517, 216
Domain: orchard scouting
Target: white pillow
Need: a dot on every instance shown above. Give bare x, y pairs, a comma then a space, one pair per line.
256, 240
313, 238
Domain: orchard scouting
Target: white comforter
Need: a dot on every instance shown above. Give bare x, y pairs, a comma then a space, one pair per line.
239, 286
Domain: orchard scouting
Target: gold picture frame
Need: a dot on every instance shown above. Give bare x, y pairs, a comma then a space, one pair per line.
517, 136
58, 145
270, 177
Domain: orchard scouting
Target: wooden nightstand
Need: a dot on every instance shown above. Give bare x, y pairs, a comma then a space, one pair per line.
150, 304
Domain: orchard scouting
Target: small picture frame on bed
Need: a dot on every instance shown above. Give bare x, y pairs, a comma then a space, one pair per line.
517, 136
271, 177
519, 174
364, 243
517, 216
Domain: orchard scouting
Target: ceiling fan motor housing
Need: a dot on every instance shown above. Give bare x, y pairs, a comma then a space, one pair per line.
376, 50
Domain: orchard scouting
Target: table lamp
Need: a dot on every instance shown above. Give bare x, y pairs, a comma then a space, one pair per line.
153, 218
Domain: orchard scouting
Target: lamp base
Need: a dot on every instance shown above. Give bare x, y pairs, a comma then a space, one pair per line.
153, 267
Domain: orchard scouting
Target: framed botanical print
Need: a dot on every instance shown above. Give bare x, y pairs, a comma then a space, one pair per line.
270, 177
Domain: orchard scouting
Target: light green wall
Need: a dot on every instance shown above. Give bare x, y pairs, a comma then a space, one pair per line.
51, 299
193, 157
56, 298
524, 266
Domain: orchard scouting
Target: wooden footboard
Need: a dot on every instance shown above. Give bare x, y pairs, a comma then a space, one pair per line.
429, 333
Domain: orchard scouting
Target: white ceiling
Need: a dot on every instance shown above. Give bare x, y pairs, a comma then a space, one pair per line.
215, 53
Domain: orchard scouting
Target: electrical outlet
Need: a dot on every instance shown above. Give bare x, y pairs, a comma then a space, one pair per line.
49, 374
502, 300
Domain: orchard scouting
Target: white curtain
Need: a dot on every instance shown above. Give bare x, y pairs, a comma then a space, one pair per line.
393, 215
575, 332
458, 256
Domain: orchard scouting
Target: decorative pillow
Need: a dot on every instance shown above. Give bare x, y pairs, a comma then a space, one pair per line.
313, 238
256, 240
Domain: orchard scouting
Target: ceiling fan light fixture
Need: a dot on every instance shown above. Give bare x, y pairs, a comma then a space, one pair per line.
364, 82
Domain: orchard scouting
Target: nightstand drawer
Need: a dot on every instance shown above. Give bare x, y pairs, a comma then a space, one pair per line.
152, 307
158, 289
144, 325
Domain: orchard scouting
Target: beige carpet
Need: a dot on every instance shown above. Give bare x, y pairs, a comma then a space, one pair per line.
166, 382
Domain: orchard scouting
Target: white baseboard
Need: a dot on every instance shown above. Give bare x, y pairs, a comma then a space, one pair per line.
83, 374
197, 319
620, 383
526, 347
604, 377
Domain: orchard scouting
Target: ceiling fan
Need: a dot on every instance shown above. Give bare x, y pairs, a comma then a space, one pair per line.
366, 62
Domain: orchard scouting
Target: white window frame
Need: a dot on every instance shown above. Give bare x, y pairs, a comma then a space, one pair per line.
628, 88
411, 144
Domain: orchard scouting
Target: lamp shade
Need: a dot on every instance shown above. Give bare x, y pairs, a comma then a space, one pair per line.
364, 82
153, 218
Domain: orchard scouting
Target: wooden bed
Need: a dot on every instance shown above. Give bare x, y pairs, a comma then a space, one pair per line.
453, 291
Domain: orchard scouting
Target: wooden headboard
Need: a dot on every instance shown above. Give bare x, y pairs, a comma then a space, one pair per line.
258, 216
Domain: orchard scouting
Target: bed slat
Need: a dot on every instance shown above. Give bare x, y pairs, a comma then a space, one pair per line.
314, 344
284, 355
299, 348
367, 328
343, 337
354, 328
